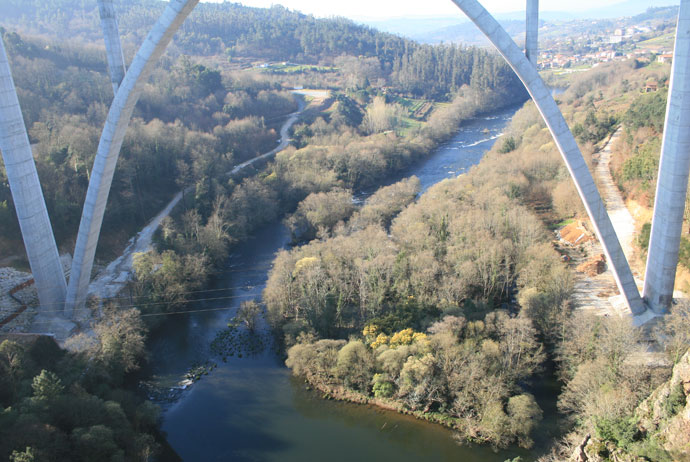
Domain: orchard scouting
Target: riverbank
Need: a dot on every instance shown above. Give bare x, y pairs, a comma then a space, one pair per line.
351, 396
114, 278
281, 420
234, 284
111, 281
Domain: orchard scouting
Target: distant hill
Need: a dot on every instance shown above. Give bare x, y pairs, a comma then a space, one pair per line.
415, 28
458, 29
245, 35
662, 13
627, 8
468, 34
455, 29
272, 33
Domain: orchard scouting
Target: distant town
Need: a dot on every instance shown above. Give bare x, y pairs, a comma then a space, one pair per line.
579, 45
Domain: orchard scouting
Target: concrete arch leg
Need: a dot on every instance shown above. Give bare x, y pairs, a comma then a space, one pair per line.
113, 47
109, 146
532, 31
566, 144
672, 183
29, 202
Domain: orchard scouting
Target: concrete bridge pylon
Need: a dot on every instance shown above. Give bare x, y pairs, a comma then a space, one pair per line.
113, 47
672, 182
532, 31
110, 143
27, 194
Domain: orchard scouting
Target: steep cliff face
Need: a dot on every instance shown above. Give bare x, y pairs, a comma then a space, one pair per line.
666, 413
658, 431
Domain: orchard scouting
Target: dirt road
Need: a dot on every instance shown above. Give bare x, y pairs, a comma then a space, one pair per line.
600, 294
116, 275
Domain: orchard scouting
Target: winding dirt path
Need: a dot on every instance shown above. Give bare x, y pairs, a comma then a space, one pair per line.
622, 220
110, 281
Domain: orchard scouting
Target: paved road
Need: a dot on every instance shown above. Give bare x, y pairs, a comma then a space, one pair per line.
109, 282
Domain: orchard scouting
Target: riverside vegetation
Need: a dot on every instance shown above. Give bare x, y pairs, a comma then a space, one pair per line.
59, 405
448, 310
417, 299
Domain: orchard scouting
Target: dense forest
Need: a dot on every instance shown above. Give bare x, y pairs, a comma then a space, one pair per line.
278, 34
74, 406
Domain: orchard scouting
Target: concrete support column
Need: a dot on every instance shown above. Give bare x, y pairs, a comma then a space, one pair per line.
532, 32
672, 183
567, 146
27, 194
113, 48
109, 146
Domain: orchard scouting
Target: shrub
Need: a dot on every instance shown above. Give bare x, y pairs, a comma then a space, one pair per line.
383, 387
675, 401
621, 430
509, 145
355, 366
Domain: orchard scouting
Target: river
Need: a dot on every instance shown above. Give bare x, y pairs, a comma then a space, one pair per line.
251, 408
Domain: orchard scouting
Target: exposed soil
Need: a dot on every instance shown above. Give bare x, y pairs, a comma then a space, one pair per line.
595, 290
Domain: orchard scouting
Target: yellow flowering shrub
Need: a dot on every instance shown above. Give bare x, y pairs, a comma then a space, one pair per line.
382, 339
370, 331
404, 337
419, 337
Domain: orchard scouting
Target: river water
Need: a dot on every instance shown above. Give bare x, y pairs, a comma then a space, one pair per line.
250, 408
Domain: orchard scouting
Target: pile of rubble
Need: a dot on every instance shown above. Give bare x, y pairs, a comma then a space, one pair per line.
23, 301
594, 266
9, 279
575, 233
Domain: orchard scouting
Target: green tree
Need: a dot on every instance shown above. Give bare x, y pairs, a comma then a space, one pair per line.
95, 444
12, 367
355, 366
25, 456
121, 335
47, 386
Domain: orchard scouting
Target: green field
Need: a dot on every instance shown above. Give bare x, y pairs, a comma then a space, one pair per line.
418, 109
409, 125
662, 42
292, 68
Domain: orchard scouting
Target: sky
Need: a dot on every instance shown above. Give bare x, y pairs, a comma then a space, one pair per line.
358, 9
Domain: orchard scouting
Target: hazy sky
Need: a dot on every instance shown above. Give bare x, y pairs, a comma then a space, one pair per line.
396, 8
